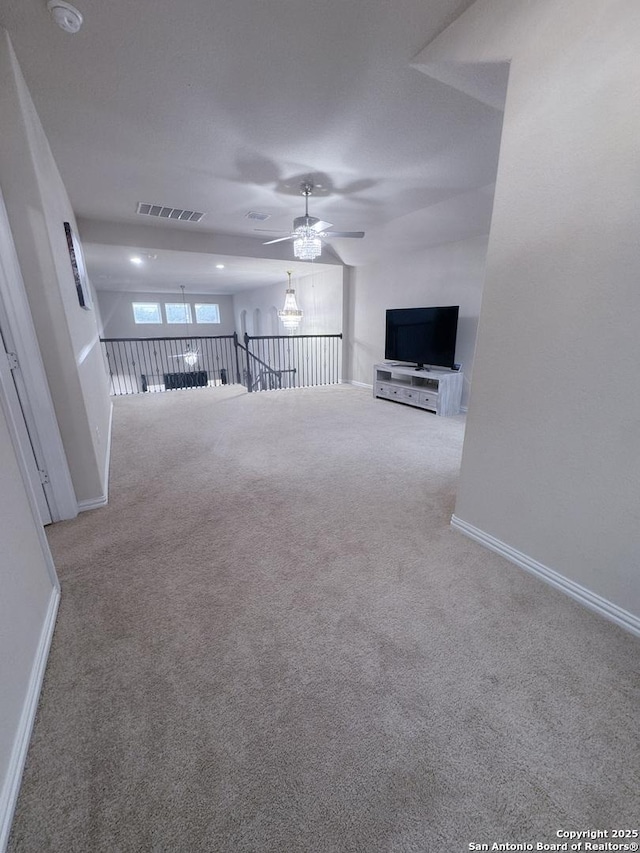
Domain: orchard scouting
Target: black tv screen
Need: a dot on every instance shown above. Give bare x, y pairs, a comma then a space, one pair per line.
422, 335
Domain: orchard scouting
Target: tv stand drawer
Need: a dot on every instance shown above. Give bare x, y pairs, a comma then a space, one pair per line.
428, 400
409, 395
384, 389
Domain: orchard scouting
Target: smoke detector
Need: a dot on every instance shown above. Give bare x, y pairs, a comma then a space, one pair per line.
65, 15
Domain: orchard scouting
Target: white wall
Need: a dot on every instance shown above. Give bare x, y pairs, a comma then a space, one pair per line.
318, 294
37, 205
451, 274
117, 315
27, 603
551, 464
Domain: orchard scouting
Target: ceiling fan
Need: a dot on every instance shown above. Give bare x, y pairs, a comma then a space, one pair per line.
309, 231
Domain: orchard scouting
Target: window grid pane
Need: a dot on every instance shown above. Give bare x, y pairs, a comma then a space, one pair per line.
207, 313
146, 312
178, 312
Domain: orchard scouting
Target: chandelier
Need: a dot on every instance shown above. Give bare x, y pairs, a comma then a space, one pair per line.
290, 315
190, 357
307, 244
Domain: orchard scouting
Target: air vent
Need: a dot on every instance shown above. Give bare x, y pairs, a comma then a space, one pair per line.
163, 212
257, 217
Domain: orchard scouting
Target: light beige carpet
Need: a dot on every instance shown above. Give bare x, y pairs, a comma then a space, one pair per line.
271, 640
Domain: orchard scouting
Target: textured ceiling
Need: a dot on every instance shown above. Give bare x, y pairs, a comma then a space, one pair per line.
226, 107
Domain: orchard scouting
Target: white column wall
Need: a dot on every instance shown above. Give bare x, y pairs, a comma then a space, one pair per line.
37, 206
551, 464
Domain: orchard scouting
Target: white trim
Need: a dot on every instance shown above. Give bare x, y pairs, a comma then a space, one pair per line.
366, 385
16, 306
103, 500
23, 466
93, 503
20, 435
107, 457
11, 786
580, 593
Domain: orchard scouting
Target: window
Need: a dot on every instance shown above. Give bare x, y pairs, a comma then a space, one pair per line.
146, 312
207, 313
178, 312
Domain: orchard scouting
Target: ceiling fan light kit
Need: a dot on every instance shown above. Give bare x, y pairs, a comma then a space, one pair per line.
307, 245
308, 231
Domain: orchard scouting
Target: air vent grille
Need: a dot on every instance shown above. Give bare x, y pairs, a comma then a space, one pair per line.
164, 212
257, 217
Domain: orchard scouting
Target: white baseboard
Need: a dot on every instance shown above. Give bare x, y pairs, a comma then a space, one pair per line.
107, 460
102, 500
580, 593
360, 384
11, 786
93, 503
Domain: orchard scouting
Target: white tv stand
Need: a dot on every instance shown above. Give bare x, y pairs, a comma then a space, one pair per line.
438, 391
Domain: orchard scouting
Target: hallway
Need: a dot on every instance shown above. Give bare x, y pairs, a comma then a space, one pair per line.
272, 640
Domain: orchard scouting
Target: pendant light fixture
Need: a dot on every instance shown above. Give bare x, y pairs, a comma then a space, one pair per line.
190, 356
290, 315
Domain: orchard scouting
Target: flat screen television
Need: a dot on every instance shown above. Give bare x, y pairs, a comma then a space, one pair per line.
425, 336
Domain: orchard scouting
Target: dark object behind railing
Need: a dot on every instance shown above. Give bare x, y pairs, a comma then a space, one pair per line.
264, 362
197, 379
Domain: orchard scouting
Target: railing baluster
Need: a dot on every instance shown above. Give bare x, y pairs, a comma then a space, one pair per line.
144, 366
113, 365
115, 376
118, 361
135, 384
124, 372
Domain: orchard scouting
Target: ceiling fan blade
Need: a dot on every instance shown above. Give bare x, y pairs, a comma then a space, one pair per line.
343, 233
278, 240
320, 225
272, 230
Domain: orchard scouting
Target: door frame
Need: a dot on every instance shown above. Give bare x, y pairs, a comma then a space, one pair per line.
61, 494
21, 426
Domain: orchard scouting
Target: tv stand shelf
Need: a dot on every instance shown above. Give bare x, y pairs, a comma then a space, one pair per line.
435, 390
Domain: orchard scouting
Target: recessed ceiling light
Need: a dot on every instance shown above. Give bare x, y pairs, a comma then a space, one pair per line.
219, 266
136, 260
